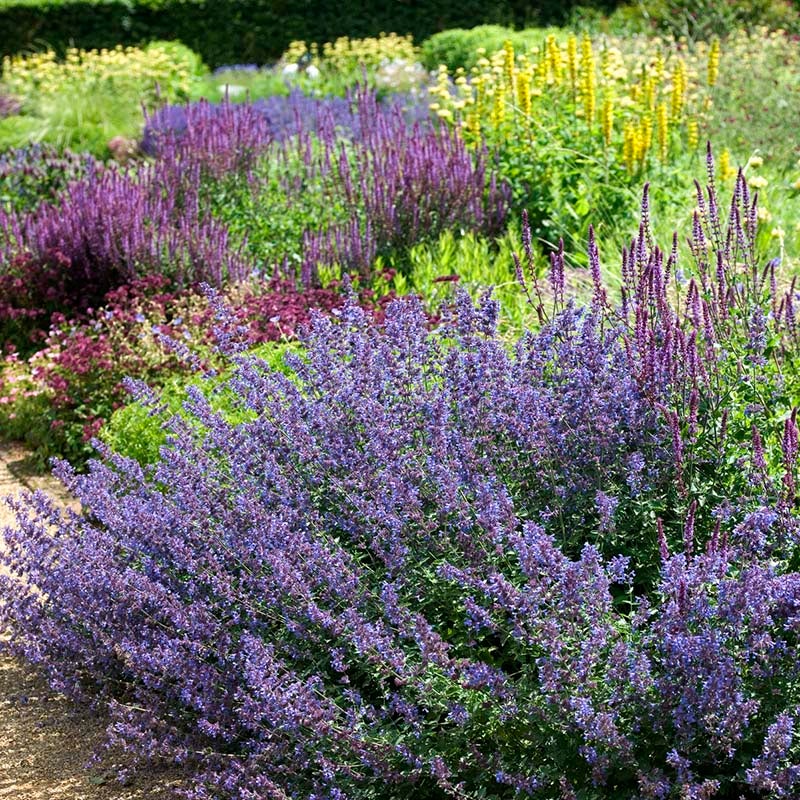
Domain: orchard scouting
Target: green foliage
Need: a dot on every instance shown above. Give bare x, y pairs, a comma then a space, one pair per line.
268, 218
757, 96
701, 19
17, 131
137, 432
459, 47
435, 270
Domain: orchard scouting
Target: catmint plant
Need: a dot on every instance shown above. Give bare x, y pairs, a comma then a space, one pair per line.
422, 563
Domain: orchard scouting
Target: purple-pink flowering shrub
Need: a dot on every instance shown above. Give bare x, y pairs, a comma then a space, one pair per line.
426, 565
107, 229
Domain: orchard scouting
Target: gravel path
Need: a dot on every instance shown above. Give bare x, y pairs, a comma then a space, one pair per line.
45, 741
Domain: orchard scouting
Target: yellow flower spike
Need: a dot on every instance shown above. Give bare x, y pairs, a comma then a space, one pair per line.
524, 93
607, 116
554, 65
499, 107
645, 137
658, 67
605, 64
509, 67
692, 134
726, 170
662, 120
474, 125
572, 61
713, 63
630, 145
677, 95
650, 92
588, 80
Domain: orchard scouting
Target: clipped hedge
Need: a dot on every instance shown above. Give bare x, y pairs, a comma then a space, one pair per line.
237, 31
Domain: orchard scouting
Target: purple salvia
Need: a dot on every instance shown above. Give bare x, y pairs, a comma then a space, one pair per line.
688, 529
662, 541
758, 456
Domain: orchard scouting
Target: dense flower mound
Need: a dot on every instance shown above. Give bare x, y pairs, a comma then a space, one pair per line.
423, 564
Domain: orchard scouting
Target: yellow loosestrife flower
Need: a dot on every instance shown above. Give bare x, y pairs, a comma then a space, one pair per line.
713, 62
608, 118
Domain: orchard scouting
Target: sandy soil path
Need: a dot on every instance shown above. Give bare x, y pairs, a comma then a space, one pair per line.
45, 741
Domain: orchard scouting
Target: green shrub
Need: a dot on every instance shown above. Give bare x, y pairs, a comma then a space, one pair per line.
136, 432
462, 48
702, 19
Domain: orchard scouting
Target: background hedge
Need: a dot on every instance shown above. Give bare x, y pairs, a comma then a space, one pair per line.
248, 31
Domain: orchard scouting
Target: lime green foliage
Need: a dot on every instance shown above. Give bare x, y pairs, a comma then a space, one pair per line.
434, 271
139, 432
90, 97
458, 47
269, 217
